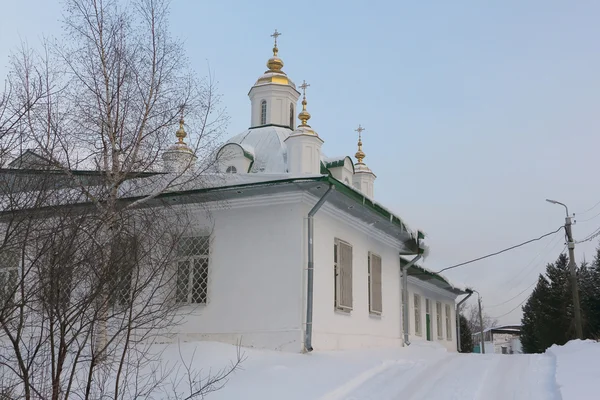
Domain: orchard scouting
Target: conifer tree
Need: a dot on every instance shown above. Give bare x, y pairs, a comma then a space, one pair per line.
466, 336
534, 322
589, 287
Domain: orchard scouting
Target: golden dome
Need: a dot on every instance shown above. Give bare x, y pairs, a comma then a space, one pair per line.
304, 115
275, 64
360, 154
274, 74
181, 134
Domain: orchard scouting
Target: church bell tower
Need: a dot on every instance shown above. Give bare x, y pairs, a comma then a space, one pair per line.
274, 96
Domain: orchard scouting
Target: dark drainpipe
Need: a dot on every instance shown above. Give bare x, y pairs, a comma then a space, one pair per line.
310, 275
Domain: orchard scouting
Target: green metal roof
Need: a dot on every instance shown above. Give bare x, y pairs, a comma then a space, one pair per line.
426, 275
343, 197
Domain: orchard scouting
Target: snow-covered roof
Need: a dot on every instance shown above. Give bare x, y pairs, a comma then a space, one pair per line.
425, 274
505, 328
267, 146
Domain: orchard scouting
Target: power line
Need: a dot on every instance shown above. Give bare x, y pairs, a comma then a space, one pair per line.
590, 209
591, 236
518, 305
500, 252
528, 287
526, 269
589, 219
512, 298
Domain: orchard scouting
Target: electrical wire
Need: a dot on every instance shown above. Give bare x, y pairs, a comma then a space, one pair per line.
514, 297
589, 237
589, 209
500, 252
525, 270
589, 219
518, 305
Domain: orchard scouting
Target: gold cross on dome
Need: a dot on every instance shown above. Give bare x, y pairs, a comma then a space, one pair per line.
275, 35
303, 87
360, 130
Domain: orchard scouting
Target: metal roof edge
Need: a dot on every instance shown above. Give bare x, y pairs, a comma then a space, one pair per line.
420, 272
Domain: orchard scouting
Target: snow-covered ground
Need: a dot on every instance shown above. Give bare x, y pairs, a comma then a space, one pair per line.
421, 371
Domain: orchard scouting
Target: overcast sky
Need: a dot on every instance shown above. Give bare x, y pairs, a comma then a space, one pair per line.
474, 113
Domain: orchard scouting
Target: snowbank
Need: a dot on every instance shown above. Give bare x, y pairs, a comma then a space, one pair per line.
577, 369
277, 375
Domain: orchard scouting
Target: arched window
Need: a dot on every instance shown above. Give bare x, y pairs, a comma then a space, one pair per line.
231, 170
263, 112
291, 116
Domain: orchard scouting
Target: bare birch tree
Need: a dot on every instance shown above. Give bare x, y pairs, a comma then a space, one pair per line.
94, 251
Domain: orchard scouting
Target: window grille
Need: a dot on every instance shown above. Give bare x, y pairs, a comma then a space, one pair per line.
343, 275
192, 270
124, 263
9, 275
417, 305
375, 295
448, 323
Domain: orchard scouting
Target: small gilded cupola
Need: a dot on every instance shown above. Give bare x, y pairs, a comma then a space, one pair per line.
304, 144
363, 178
179, 157
274, 96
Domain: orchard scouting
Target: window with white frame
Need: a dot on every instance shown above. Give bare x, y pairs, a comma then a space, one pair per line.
192, 270
263, 112
448, 322
375, 295
417, 307
438, 319
231, 170
9, 275
342, 262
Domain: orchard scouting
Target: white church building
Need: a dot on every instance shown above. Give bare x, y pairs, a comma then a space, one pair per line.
302, 257
296, 255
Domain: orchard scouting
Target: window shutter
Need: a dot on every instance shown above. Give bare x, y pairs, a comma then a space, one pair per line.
345, 276
375, 298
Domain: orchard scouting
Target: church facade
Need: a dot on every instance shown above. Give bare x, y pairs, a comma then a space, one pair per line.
302, 257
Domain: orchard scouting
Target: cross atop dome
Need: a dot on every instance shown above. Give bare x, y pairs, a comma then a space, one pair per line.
360, 130
303, 87
275, 35
275, 64
304, 115
360, 155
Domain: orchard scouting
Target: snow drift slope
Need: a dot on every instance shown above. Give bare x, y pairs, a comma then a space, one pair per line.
421, 371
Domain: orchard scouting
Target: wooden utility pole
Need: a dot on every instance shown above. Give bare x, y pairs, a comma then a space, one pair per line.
572, 271
573, 276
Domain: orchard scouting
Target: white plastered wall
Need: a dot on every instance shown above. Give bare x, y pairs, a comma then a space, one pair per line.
333, 329
255, 275
428, 291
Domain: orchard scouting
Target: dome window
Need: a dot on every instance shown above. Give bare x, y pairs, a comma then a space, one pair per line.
291, 116
263, 112
231, 170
